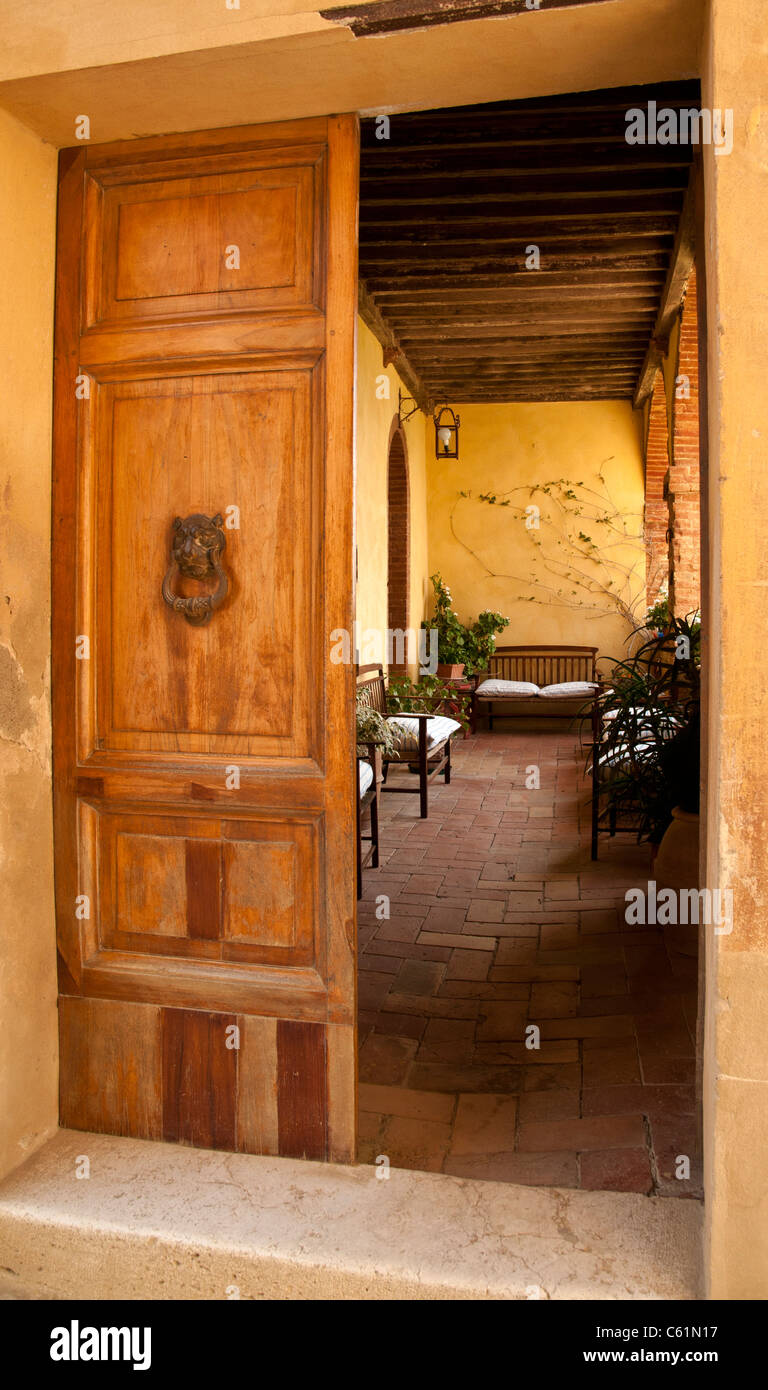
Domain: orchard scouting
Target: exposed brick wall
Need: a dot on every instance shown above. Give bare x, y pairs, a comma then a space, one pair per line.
656, 511
398, 541
683, 486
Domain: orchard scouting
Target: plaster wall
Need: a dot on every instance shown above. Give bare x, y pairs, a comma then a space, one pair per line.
736, 615
377, 404
28, 1038
170, 65
490, 558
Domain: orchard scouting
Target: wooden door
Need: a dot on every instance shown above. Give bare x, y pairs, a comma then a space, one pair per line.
204, 785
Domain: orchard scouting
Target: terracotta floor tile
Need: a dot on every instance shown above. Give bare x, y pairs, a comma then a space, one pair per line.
457, 1052
386, 1059
614, 1065
421, 1144
616, 1170
400, 1026
369, 1126
458, 942
484, 1124
486, 910
373, 988
449, 1030
498, 917
679, 1070
388, 965
444, 919
636, 1099
553, 1000
549, 1105
503, 1020
601, 980
469, 965
437, 1076
399, 1100
481, 989
425, 1007
595, 1132
419, 977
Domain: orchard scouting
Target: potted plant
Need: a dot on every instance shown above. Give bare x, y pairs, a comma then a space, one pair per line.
372, 728
461, 650
431, 694
657, 617
649, 720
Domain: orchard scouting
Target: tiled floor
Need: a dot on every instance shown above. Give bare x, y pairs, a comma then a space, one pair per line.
497, 920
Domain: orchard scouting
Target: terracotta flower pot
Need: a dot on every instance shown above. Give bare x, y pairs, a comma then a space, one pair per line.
677, 866
450, 672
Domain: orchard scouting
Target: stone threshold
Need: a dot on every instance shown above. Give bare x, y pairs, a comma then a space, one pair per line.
159, 1221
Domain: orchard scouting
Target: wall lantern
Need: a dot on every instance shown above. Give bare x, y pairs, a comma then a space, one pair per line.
446, 433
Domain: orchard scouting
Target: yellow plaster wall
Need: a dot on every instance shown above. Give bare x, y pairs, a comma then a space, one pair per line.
505, 447
736, 641
28, 1042
375, 412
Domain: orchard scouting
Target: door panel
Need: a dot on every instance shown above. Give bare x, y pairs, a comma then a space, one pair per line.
204, 787
239, 440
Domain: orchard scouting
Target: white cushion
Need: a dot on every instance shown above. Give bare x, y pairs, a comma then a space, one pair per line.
365, 772
664, 725
507, 689
569, 690
406, 731
623, 757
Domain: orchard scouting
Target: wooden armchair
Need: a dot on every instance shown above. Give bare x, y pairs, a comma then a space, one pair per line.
368, 769
424, 740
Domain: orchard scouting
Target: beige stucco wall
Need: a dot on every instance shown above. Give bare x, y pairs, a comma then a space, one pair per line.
736, 1056
377, 404
489, 557
168, 65
28, 1044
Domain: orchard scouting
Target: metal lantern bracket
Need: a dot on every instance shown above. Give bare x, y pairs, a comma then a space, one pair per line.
402, 400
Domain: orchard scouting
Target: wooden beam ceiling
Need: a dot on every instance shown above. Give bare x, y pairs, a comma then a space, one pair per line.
452, 202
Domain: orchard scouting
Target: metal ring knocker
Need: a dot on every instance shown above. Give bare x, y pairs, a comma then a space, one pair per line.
196, 548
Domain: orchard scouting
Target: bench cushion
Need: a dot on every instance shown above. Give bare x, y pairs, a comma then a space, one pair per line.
568, 690
406, 732
498, 689
365, 775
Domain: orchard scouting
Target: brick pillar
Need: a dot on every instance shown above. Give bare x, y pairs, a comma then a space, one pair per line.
683, 487
656, 512
398, 547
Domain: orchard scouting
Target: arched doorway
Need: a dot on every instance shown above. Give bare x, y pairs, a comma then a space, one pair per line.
397, 548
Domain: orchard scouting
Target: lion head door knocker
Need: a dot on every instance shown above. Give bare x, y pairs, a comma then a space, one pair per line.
196, 549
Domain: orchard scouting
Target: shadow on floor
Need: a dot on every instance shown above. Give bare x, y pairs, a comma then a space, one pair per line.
498, 920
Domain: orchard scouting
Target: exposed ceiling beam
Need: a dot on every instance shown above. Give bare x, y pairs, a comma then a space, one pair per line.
392, 16
680, 266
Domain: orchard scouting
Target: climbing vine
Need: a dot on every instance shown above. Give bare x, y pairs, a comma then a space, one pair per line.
574, 532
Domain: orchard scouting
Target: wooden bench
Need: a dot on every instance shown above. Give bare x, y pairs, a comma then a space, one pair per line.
539, 666
427, 750
368, 769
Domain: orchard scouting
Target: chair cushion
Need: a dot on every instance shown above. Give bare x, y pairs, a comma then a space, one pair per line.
406, 732
568, 690
622, 758
498, 689
365, 775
